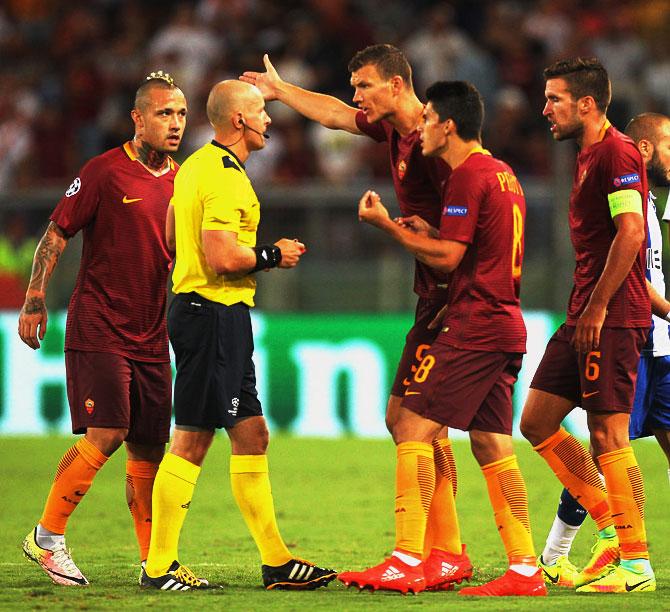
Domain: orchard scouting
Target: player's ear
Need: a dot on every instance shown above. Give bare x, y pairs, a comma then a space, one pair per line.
646, 148
586, 104
397, 84
137, 118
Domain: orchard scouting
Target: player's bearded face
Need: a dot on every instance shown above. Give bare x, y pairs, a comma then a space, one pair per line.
164, 120
561, 111
372, 93
658, 167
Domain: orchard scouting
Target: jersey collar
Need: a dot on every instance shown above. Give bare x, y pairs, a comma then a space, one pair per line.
128, 149
603, 130
227, 150
477, 149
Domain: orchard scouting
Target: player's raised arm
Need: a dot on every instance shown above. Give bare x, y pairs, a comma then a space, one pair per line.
329, 111
33, 316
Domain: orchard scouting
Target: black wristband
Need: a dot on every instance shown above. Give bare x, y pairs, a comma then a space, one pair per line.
267, 256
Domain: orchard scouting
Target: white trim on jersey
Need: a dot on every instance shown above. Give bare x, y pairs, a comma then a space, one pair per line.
658, 342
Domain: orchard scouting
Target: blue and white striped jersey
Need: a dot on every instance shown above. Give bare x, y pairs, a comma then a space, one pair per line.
658, 342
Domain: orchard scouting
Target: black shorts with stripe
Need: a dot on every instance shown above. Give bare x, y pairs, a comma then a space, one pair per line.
213, 346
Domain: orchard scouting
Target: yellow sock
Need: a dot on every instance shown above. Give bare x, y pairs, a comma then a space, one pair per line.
250, 481
575, 468
415, 483
140, 476
625, 492
442, 529
507, 492
173, 490
74, 475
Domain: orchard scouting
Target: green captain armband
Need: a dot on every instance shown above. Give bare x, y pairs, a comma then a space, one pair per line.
625, 201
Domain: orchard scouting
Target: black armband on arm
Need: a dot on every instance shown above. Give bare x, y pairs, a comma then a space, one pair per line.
267, 256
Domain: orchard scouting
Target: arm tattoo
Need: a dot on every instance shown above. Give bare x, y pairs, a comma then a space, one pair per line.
46, 257
34, 305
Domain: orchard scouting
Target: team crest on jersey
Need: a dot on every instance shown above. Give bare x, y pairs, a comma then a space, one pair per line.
455, 211
627, 179
402, 169
74, 188
89, 404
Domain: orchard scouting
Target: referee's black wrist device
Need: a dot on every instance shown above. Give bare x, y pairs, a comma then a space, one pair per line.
267, 256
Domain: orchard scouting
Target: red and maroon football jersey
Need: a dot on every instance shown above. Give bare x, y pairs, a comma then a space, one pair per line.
612, 164
484, 207
418, 183
118, 303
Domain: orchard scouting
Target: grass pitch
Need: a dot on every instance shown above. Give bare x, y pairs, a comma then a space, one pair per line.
334, 501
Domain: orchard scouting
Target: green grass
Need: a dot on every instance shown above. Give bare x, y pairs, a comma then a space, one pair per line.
334, 501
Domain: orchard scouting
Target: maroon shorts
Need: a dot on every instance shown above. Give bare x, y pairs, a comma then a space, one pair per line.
465, 389
109, 390
600, 381
417, 341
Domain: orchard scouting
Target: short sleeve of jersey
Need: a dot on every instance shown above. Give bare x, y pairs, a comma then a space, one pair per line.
375, 131
460, 206
78, 207
623, 169
225, 195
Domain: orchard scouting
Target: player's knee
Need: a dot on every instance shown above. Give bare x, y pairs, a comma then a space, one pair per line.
602, 440
106, 439
251, 439
531, 430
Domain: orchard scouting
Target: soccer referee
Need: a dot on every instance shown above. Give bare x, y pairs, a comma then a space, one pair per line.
214, 215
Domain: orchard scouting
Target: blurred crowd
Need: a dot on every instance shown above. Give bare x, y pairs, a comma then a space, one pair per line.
69, 71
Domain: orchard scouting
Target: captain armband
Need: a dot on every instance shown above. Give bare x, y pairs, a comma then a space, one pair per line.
267, 256
625, 201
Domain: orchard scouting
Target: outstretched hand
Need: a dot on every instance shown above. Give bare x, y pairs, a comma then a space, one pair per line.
371, 209
267, 81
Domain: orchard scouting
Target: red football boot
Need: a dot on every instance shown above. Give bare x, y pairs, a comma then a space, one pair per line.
391, 575
510, 583
443, 569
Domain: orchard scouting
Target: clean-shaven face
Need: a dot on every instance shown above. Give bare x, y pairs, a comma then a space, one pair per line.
256, 118
372, 93
431, 132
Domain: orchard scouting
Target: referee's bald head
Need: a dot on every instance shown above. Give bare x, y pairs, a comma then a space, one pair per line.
228, 98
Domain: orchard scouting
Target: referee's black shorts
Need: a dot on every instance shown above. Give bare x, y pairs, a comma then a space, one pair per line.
213, 345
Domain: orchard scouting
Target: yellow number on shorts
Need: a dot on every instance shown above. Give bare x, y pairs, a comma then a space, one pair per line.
420, 350
424, 369
517, 241
592, 369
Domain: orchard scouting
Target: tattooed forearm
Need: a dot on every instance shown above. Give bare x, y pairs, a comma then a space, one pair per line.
46, 257
34, 305
150, 157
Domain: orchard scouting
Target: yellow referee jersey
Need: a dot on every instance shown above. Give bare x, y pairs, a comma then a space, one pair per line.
212, 191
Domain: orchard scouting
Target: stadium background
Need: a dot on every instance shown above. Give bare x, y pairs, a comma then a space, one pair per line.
328, 333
